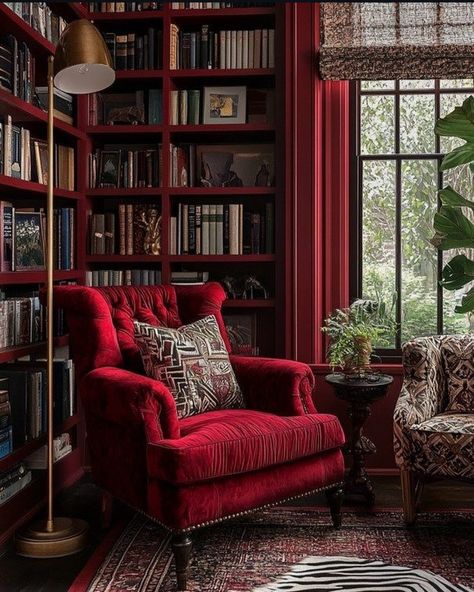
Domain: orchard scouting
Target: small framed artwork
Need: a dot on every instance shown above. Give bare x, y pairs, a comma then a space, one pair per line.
28, 240
224, 104
242, 331
109, 170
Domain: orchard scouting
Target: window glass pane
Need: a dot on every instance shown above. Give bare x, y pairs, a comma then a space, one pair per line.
447, 103
419, 257
377, 84
377, 124
464, 83
416, 84
462, 180
417, 120
378, 237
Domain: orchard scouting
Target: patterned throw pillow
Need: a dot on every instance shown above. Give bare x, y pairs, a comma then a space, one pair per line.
458, 358
193, 363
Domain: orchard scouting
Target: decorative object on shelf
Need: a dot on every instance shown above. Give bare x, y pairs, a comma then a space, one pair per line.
224, 104
253, 289
28, 242
229, 283
453, 229
360, 393
147, 230
352, 332
81, 65
242, 331
123, 108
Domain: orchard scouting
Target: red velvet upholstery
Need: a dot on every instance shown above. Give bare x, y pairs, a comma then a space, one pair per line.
187, 472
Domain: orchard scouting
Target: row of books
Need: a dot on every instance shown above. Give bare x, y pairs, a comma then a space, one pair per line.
6, 432
17, 68
24, 157
207, 49
215, 5
40, 16
219, 165
130, 51
115, 166
135, 230
123, 277
139, 107
13, 481
218, 229
185, 105
123, 6
22, 321
28, 393
22, 238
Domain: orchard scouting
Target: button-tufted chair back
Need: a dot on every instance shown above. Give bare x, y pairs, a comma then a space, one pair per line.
100, 320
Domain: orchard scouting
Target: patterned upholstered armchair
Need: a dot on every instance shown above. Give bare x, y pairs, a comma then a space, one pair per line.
434, 415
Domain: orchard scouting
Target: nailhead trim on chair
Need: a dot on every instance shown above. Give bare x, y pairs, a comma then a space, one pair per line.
237, 514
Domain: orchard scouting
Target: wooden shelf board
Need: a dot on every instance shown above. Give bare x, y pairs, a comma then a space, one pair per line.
268, 303
32, 187
23, 32
221, 258
222, 127
35, 277
220, 191
222, 73
19, 351
140, 74
218, 13
142, 15
96, 130
124, 259
124, 191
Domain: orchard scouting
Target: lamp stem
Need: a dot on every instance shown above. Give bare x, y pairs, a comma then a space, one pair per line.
49, 290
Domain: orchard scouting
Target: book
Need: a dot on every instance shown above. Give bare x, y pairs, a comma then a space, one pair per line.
28, 241
15, 485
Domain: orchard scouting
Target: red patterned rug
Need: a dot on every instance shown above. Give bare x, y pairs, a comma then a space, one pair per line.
241, 555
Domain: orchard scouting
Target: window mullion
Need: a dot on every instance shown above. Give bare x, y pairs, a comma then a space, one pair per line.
398, 217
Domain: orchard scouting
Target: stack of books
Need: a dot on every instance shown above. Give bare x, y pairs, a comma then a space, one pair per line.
130, 51
185, 107
17, 67
123, 6
6, 441
135, 231
123, 277
222, 229
120, 166
13, 481
189, 278
222, 49
40, 16
22, 321
28, 393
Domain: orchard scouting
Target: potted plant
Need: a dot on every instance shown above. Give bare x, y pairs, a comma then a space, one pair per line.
352, 332
453, 228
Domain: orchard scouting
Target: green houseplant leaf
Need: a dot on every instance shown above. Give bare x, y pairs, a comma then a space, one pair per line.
467, 304
457, 273
449, 197
461, 155
459, 123
453, 229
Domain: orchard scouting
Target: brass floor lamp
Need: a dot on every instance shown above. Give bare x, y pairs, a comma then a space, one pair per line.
81, 65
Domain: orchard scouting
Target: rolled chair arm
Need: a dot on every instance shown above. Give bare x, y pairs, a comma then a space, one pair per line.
282, 387
125, 398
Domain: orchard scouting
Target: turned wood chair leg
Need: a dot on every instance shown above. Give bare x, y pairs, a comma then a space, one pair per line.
408, 482
334, 498
106, 509
182, 547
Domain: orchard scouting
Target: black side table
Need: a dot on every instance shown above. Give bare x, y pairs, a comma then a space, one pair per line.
360, 393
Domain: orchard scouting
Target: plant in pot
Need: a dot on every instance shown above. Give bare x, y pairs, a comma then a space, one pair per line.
352, 332
454, 228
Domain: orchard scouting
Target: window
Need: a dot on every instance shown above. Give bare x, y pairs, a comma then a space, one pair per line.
395, 183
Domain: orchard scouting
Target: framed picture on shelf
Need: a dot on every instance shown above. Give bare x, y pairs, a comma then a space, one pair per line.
236, 165
28, 241
242, 331
109, 169
224, 104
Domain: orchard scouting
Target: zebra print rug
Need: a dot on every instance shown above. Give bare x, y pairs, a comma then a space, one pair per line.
253, 553
315, 574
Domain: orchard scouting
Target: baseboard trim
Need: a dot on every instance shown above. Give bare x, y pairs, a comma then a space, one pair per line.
376, 472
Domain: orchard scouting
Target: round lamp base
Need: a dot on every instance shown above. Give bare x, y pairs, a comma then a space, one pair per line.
69, 536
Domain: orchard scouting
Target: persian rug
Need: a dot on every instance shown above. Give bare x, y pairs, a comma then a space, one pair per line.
254, 553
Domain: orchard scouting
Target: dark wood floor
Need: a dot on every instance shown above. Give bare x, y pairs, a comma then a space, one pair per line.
18, 574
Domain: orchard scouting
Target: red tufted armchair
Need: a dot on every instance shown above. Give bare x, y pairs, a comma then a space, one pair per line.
202, 469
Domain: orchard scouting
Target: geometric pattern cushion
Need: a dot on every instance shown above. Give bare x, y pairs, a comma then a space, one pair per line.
451, 423
458, 361
192, 361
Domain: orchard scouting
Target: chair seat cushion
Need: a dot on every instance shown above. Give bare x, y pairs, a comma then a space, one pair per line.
443, 446
232, 441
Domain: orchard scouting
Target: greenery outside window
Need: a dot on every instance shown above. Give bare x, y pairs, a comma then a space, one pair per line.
395, 181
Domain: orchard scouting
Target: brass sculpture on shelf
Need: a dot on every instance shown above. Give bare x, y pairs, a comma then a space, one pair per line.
150, 222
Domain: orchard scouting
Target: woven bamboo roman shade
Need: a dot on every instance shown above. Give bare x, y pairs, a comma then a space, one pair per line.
394, 40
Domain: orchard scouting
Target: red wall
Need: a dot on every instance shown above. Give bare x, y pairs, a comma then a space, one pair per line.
317, 217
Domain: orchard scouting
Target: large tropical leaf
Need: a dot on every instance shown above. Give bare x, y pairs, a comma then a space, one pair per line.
461, 155
467, 304
459, 123
457, 273
453, 229
450, 197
